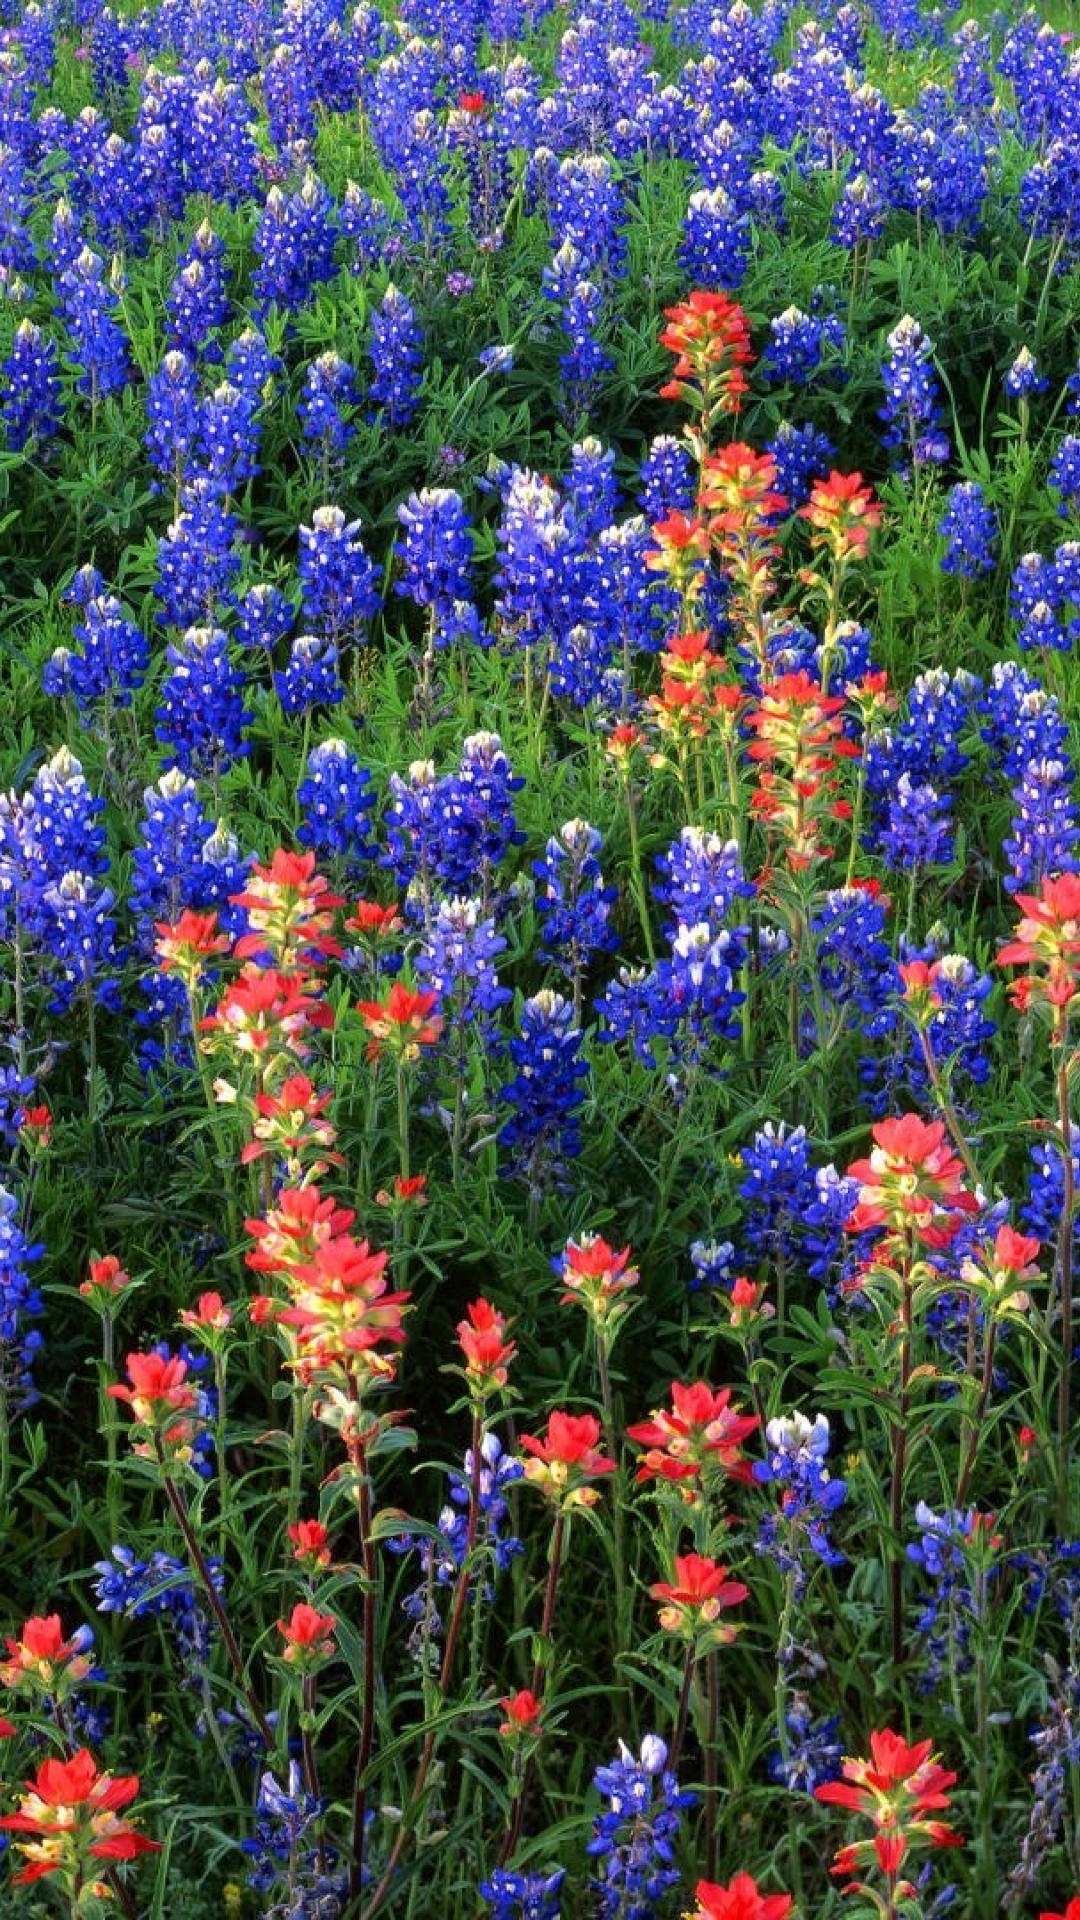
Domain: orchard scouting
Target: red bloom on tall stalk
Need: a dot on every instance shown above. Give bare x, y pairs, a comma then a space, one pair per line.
291, 1123
186, 945
912, 1184
692, 1603
696, 1443
69, 1812
597, 1278
486, 1350
402, 1024
799, 743
568, 1456
290, 910
264, 1009
741, 1899
293, 1231
43, 1662
157, 1388
343, 1313
1047, 943
843, 513
709, 334
897, 1788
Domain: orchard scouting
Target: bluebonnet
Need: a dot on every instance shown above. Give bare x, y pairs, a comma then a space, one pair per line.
919, 832
230, 430
330, 395
198, 303
396, 359
1064, 475
582, 305
181, 860
969, 529
795, 1463
860, 213
294, 244
797, 344
161, 1587
78, 932
1025, 722
666, 480
811, 1753
198, 560
573, 904
263, 617
99, 345
20, 1303
47, 832
944, 1554
523, 1896
457, 960
338, 581
546, 1091
854, 959
441, 1559
802, 455
435, 555
826, 1243
250, 365
334, 800
201, 719
113, 656
702, 878
17, 1092
713, 1263
173, 417
688, 1000
635, 1835
31, 406
478, 825
1042, 1212
1023, 377
310, 678
1045, 828
777, 1186
534, 536
716, 239
592, 488
302, 1881
912, 410
1056, 1741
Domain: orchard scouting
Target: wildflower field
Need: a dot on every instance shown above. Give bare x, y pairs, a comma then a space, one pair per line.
539, 960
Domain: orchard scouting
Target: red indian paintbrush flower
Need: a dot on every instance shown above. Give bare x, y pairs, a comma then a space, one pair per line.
290, 910
311, 1544
69, 1812
157, 1388
843, 513
265, 1008
308, 1636
1072, 1911
694, 1600
402, 1024
709, 334
343, 1312
597, 1278
486, 1350
292, 1232
523, 1711
41, 1661
912, 1183
1047, 943
741, 1899
186, 945
290, 1123
699, 1438
897, 1788
105, 1281
563, 1462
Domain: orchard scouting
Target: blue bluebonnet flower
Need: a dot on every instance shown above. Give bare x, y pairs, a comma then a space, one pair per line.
702, 878
1023, 377
305, 1880
311, 678
1064, 475
331, 393
161, 1587
1025, 722
478, 825
457, 959
31, 405
572, 901
919, 832
335, 799
636, 1834
666, 480
198, 303
113, 656
826, 1241
78, 932
523, 1896
854, 958
778, 1185
1056, 1741
337, 580
173, 417
811, 1753
860, 213
99, 345
534, 536
294, 244
912, 410
436, 557
441, 1559
201, 718
198, 557
546, 1092
230, 430
716, 239
713, 1263
944, 1553
181, 860
17, 1092
592, 489
263, 617
802, 455
20, 1303
396, 359
797, 344
969, 529
1045, 828
809, 1496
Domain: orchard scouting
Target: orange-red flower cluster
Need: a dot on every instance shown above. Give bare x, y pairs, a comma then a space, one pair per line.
1047, 943
799, 743
70, 1815
741, 1899
693, 1601
566, 1459
897, 1788
912, 1184
697, 1443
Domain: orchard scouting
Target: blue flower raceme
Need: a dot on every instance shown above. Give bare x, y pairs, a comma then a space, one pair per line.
634, 1837
795, 1463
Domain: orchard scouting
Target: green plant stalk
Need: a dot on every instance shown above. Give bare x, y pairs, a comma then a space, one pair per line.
1065, 1267
558, 1541
366, 1741
896, 1503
